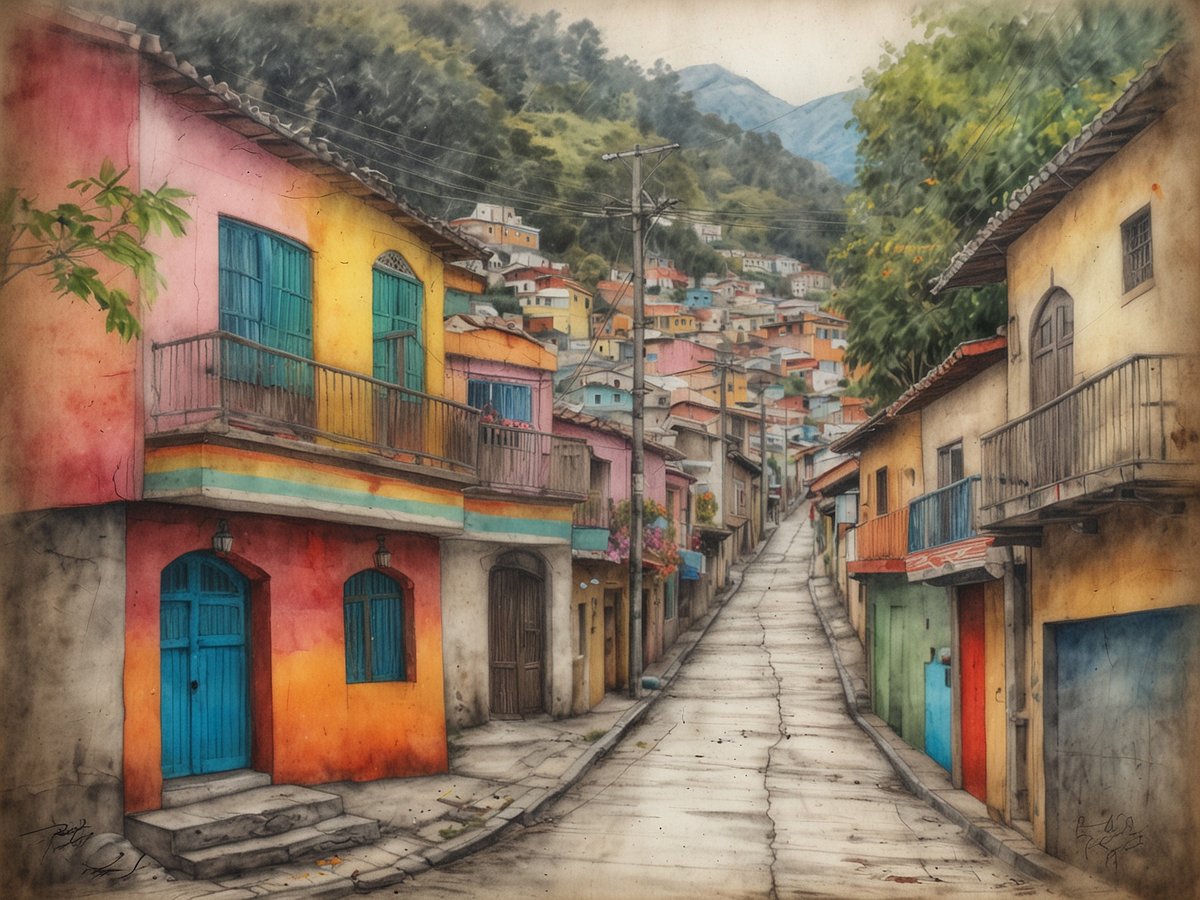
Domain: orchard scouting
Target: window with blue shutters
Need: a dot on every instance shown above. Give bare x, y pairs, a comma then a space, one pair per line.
511, 402
373, 606
265, 296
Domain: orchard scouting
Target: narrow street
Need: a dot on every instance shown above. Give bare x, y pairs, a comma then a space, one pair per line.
748, 779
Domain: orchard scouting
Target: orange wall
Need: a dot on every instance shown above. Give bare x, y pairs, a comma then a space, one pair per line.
308, 725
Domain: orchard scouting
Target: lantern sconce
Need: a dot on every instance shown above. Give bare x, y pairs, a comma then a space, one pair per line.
222, 540
383, 556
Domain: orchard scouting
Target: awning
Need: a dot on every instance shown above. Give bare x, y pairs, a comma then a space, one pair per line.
691, 565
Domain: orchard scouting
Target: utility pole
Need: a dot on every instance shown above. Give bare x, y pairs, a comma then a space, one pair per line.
637, 468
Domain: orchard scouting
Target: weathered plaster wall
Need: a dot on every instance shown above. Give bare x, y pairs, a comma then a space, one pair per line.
898, 446
971, 409
1077, 247
466, 565
62, 615
63, 376
309, 726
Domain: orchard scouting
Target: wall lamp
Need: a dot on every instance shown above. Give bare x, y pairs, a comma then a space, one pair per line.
222, 539
383, 556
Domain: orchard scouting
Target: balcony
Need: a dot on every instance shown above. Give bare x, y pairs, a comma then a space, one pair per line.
225, 383
880, 544
594, 512
943, 516
1118, 435
520, 460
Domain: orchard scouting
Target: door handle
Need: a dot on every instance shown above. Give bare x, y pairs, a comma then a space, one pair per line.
195, 685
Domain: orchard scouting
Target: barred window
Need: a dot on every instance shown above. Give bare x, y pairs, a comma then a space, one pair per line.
1136, 249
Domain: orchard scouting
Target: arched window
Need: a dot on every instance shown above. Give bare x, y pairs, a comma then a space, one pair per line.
373, 607
1051, 347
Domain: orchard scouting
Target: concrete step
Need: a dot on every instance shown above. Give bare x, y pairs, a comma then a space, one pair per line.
194, 788
260, 812
311, 841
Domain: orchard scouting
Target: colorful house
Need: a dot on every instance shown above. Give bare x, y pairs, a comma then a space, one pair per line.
1093, 475
507, 646
240, 535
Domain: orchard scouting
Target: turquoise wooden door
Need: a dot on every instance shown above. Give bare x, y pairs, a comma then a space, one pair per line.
937, 713
205, 709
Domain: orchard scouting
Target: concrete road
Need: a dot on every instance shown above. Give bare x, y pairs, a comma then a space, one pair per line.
748, 779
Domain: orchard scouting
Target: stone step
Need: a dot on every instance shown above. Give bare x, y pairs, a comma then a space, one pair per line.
259, 812
309, 842
194, 788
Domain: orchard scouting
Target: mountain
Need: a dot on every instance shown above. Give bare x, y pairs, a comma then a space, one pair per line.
817, 130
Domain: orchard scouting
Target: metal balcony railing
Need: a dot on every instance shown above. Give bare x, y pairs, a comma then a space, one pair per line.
943, 516
220, 377
1123, 416
525, 460
884, 537
594, 512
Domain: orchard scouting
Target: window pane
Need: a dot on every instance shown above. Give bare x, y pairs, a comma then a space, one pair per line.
387, 642
356, 665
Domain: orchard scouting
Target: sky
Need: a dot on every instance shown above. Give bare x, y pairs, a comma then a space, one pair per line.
798, 50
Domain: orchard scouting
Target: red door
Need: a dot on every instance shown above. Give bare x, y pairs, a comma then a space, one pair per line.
972, 699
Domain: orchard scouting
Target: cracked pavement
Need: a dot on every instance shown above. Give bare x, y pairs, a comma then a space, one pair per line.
748, 779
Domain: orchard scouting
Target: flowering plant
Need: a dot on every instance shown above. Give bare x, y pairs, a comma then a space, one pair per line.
706, 507
659, 541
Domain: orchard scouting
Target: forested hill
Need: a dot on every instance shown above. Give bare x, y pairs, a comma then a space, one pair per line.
458, 104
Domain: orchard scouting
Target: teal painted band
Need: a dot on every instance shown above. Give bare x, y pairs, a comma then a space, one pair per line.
482, 523
197, 479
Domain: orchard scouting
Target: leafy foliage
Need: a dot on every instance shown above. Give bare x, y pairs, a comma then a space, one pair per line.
458, 104
111, 221
952, 126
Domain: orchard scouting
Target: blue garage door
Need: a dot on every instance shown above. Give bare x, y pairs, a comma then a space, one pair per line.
205, 710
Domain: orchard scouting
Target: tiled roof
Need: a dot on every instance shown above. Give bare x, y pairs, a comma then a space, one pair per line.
217, 101
983, 260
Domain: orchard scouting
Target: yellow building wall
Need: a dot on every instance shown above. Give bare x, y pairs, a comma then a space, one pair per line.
897, 446
971, 409
347, 237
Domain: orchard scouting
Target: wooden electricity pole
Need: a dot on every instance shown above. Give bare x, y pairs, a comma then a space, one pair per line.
637, 479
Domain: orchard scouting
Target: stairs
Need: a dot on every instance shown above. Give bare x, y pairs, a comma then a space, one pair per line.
263, 825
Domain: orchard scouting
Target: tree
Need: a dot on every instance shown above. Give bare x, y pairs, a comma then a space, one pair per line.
952, 126
110, 221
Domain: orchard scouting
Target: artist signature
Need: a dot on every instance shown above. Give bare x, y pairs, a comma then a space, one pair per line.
1113, 836
62, 835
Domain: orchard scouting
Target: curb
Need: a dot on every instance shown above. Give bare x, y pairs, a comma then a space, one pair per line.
996, 839
526, 811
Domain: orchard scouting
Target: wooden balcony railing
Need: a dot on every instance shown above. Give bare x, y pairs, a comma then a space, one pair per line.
222, 378
594, 512
943, 516
524, 460
1116, 426
884, 537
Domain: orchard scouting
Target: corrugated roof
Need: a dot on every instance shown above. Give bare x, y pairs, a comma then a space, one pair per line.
983, 260
217, 101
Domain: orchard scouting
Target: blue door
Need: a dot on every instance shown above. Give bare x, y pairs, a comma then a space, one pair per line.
937, 713
205, 709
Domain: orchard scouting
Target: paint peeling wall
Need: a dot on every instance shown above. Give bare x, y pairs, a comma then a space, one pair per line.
62, 588
308, 725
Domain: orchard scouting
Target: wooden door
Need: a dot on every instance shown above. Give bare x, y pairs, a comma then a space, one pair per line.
204, 666
612, 641
1052, 369
972, 693
515, 645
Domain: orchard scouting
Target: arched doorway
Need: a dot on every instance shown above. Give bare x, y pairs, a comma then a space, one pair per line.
1052, 371
204, 667
516, 609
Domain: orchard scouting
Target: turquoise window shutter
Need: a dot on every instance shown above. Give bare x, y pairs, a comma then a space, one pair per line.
373, 604
399, 356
